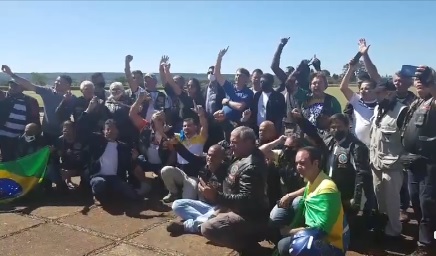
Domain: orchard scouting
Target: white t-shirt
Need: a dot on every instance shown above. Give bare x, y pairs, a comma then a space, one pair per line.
151, 110
261, 107
363, 112
109, 160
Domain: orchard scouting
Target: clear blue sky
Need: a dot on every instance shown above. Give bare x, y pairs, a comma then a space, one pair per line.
95, 36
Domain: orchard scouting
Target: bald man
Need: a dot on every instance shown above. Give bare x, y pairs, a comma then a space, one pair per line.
213, 173
267, 132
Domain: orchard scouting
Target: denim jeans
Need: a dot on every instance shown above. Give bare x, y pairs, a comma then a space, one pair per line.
193, 212
102, 185
280, 217
422, 187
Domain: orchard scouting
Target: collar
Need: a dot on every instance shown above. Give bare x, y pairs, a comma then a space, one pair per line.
321, 176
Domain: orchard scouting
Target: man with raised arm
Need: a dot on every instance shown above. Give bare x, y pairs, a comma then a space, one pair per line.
239, 96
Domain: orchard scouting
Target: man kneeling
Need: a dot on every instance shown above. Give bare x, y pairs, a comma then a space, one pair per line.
319, 227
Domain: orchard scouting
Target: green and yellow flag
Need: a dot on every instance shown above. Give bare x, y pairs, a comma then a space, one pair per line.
19, 177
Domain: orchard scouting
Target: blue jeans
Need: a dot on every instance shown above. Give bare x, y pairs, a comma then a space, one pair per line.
193, 212
102, 185
280, 217
422, 187
284, 246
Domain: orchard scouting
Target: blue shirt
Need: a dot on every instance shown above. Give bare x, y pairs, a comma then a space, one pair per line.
245, 95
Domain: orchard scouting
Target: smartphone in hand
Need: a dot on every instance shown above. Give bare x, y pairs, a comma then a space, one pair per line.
408, 70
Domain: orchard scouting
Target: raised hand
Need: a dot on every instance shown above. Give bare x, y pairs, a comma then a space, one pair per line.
363, 48
166, 66
6, 69
129, 58
219, 116
68, 96
223, 52
246, 115
164, 59
93, 103
284, 41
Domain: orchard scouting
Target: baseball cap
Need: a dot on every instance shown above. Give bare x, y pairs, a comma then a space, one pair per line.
386, 85
151, 75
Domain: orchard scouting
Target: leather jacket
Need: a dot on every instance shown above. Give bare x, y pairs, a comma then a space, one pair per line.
244, 188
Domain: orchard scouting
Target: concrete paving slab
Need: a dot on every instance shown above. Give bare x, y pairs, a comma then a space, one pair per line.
99, 220
50, 239
192, 245
10, 223
54, 212
124, 250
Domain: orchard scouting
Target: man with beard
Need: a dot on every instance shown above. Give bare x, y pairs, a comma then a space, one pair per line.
385, 150
419, 140
268, 105
181, 181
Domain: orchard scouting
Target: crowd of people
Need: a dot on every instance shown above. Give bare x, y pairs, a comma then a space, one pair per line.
241, 163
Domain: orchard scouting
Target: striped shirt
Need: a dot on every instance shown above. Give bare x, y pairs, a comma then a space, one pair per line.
16, 122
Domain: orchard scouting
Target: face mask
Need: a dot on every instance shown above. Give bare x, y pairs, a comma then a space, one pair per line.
339, 135
29, 138
289, 152
211, 77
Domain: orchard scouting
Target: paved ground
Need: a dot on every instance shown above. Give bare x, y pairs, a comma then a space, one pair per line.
69, 226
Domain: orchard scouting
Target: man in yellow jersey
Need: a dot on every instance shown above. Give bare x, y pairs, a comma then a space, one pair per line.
181, 180
319, 227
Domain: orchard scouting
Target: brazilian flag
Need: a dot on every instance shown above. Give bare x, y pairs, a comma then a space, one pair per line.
19, 177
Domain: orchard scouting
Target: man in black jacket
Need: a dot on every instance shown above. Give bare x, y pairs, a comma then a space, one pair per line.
212, 171
111, 159
243, 195
345, 160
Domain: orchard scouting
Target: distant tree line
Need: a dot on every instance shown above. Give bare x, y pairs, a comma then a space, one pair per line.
333, 79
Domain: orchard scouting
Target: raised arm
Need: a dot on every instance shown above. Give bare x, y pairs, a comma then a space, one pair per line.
169, 79
133, 86
344, 86
204, 130
217, 71
370, 67
163, 61
267, 148
275, 65
28, 86
134, 116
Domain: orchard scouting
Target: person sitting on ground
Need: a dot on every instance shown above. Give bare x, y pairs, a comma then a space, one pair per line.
110, 159
72, 154
30, 142
212, 172
317, 207
181, 181
243, 194
153, 151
